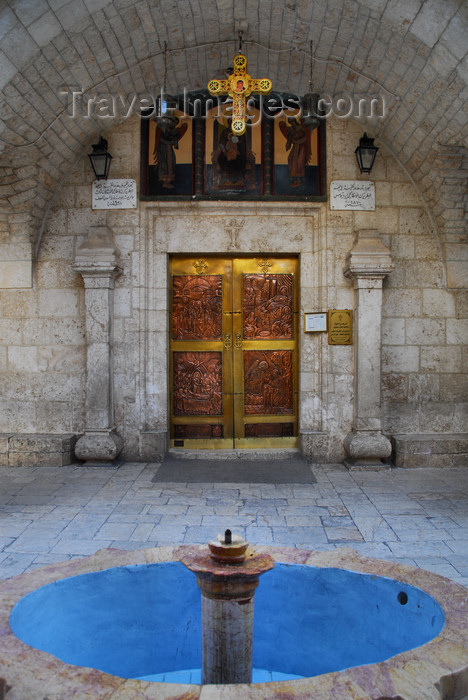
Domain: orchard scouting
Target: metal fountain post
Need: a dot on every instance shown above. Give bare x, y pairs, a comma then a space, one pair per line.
227, 573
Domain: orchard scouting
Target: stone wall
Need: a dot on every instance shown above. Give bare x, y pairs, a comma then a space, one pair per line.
424, 325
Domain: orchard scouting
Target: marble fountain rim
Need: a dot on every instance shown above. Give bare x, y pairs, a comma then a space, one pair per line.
437, 669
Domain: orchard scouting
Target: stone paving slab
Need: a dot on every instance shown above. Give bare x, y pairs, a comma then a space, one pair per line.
417, 517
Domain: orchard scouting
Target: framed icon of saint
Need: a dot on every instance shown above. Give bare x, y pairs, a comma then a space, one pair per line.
194, 154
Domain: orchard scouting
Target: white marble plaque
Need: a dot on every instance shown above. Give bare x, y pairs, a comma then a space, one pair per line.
356, 195
114, 194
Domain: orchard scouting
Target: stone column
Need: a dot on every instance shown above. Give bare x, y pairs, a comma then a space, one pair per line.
97, 261
227, 632
368, 262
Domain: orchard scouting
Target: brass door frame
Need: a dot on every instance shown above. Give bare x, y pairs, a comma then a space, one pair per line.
232, 346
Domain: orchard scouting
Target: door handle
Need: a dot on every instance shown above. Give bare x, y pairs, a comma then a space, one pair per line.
238, 341
227, 341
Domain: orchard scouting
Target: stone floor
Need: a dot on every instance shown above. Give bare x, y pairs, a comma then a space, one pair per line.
418, 516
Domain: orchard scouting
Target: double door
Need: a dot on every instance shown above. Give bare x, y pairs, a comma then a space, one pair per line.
233, 352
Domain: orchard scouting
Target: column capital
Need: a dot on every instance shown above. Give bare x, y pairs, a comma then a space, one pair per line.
369, 257
98, 256
97, 275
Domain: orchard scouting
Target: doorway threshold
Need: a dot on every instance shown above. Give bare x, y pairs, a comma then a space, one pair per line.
286, 466
250, 454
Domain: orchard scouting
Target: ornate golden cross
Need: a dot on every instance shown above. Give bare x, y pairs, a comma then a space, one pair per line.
264, 264
239, 86
200, 266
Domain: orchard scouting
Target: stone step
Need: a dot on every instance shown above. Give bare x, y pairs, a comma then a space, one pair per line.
220, 455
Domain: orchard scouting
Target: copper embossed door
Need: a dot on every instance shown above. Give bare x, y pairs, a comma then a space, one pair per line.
265, 323
233, 352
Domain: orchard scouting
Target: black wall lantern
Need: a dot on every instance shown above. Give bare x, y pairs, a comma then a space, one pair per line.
365, 153
100, 159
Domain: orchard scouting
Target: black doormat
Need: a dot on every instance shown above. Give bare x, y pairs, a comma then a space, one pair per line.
293, 469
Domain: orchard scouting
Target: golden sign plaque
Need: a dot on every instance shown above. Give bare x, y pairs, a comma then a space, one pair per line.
340, 327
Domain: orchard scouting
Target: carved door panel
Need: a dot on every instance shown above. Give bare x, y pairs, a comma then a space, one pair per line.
265, 320
233, 352
201, 395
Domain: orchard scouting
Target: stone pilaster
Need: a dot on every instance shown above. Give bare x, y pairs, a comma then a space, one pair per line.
368, 262
451, 169
97, 261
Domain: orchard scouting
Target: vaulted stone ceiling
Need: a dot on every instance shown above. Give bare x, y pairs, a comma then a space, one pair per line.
411, 54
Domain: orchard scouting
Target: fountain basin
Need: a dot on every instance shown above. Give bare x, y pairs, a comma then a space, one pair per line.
144, 620
410, 629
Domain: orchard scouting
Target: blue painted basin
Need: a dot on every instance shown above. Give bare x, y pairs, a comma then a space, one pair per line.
145, 621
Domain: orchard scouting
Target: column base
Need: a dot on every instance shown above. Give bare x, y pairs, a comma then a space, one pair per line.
98, 447
357, 464
153, 445
367, 448
315, 445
